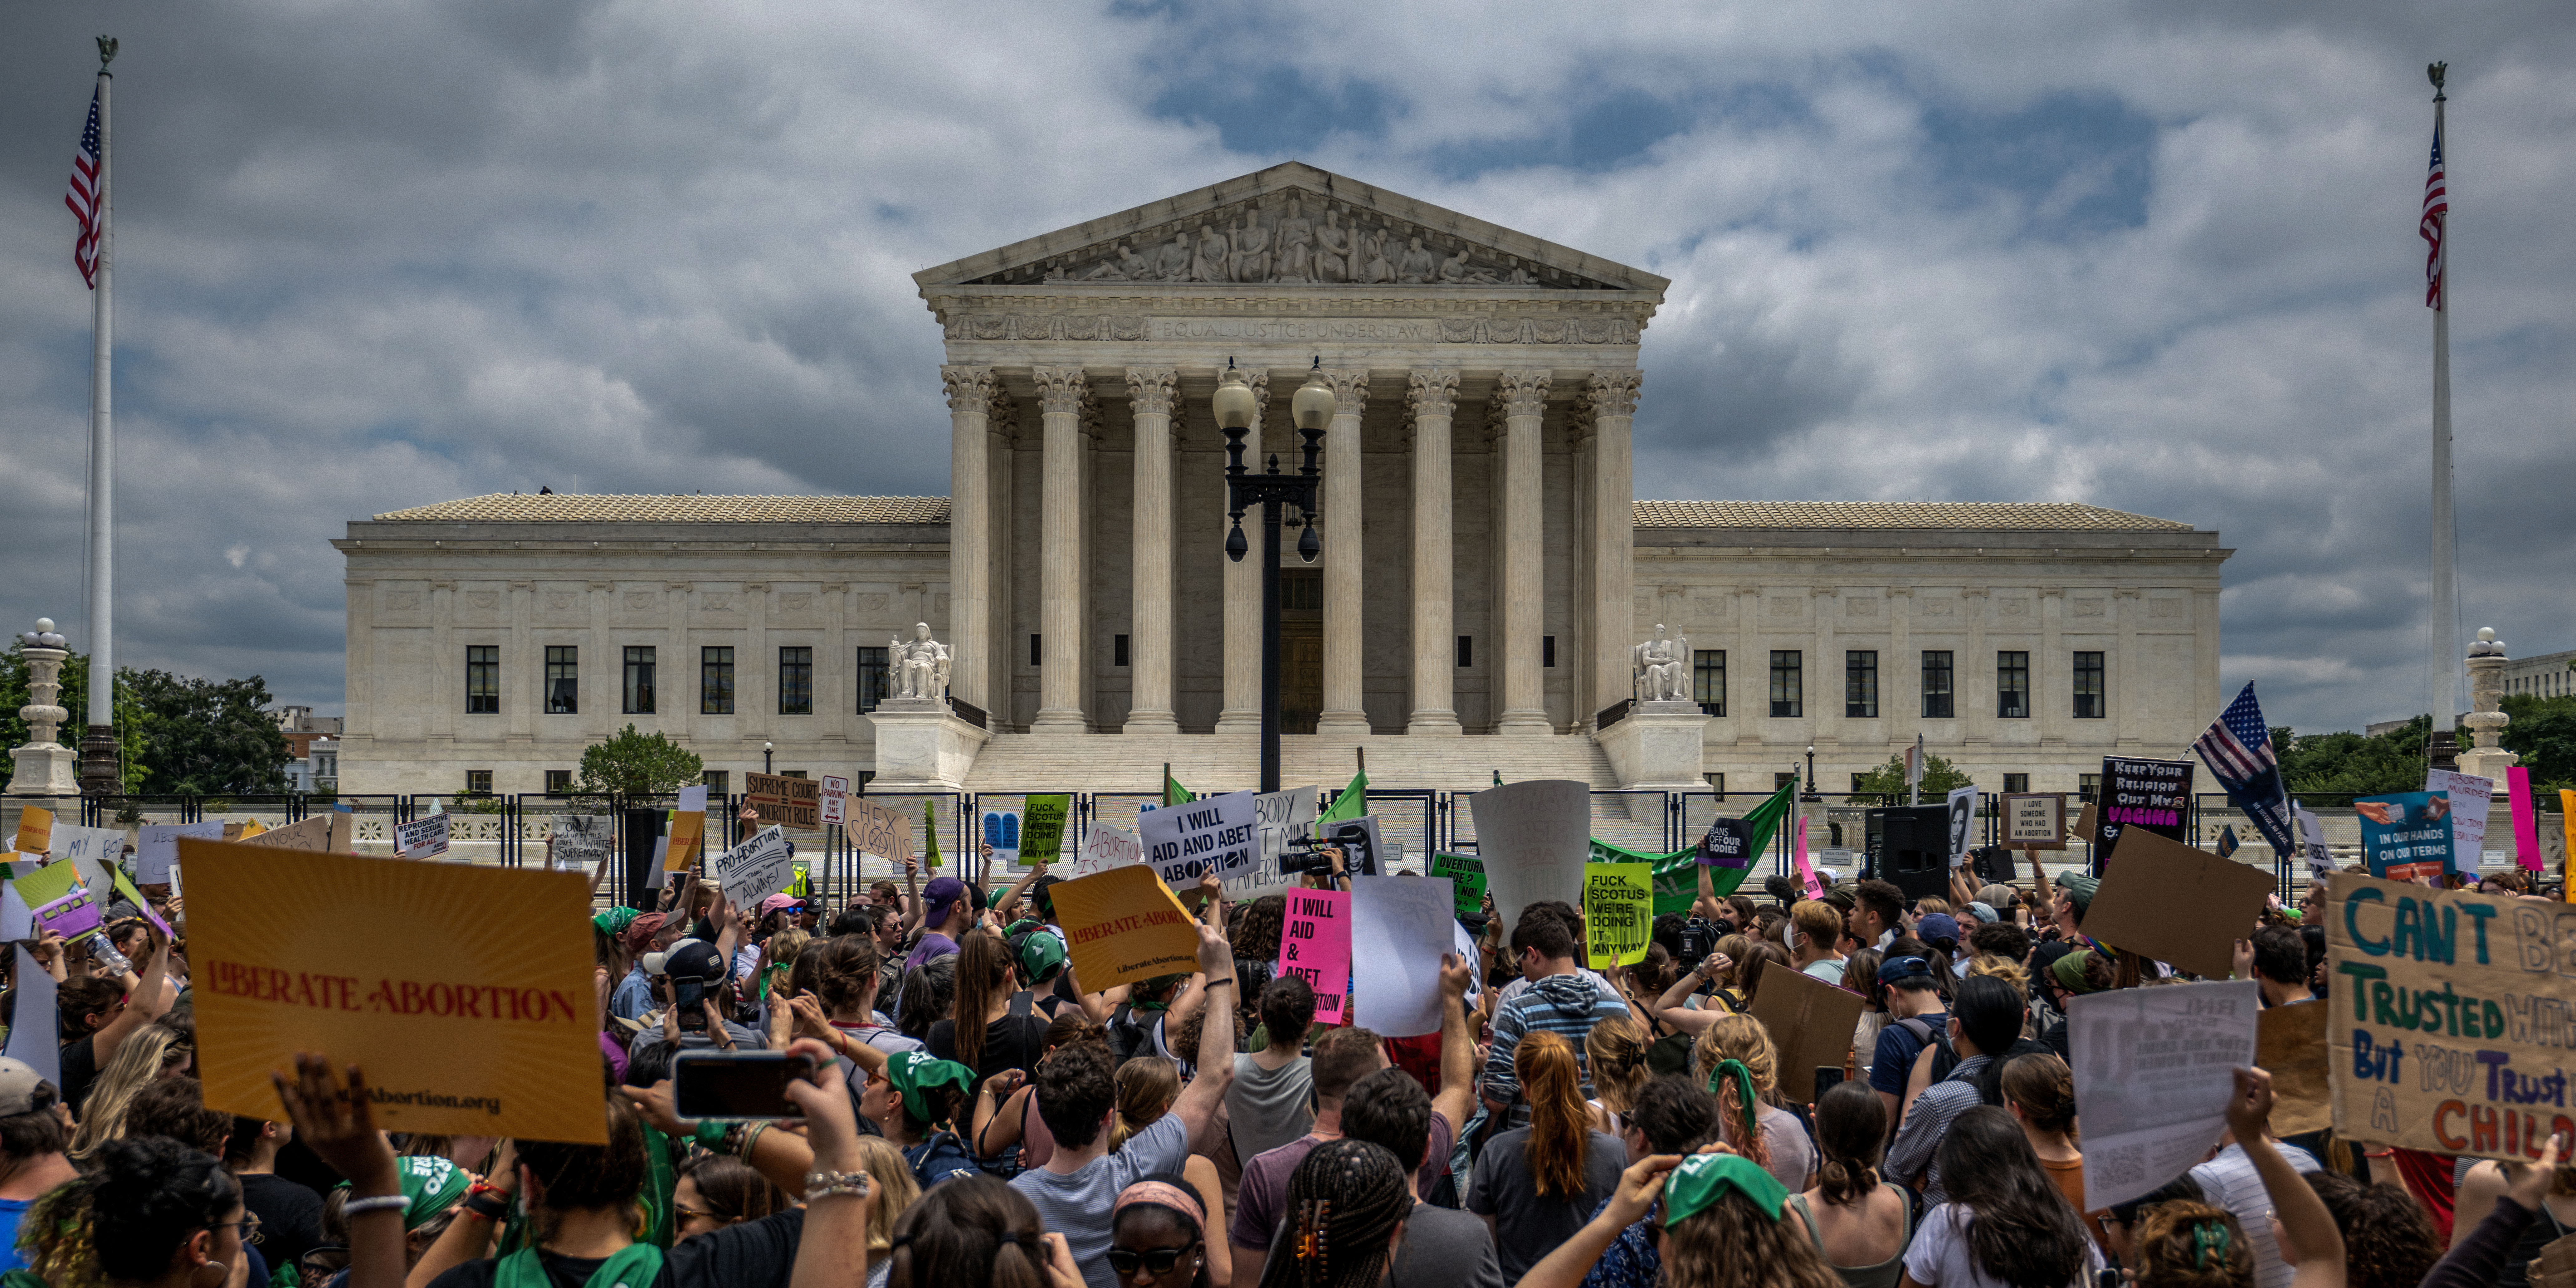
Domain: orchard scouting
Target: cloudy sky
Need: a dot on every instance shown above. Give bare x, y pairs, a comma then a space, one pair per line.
2159, 256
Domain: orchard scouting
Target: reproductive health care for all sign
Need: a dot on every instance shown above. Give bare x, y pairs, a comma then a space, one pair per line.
1217, 836
2452, 1020
422, 838
1315, 945
756, 869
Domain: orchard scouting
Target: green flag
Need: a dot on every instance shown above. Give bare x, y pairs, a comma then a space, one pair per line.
1173, 792
930, 831
1498, 778
1352, 803
1677, 873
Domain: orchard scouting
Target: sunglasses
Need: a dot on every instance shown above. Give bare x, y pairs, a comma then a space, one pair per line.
1155, 1261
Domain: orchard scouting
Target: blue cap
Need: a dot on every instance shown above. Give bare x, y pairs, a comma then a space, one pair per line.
1896, 968
1939, 928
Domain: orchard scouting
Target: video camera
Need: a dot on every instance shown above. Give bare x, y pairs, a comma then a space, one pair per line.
1699, 939
1311, 854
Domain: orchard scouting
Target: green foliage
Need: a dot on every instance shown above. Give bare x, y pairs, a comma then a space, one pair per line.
74, 699
204, 737
637, 764
1939, 777
2353, 764
2543, 733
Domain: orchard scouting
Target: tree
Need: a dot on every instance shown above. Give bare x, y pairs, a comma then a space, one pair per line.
208, 737
637, 764
2543, 733
1888, 780
2353, 764
74, 699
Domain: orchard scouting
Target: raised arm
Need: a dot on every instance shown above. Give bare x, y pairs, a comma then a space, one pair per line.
1639, 1187
1457, 1097
339, 1127
151, 997
2307, 1229
1216, 1036
1010, 900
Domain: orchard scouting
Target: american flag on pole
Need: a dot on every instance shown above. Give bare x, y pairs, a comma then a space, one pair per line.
2437, 208
84, 196
2238, 750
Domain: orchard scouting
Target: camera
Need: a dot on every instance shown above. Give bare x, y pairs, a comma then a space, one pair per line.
1310, 854
1699, 939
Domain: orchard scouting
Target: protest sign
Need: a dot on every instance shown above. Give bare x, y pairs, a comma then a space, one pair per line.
1042, 829
1283, 817
17, 920
755, 869
1618, 912
1962, 802
472, 1012
836, 793
581, 841
327, 833
34, 1044
1676, 874
1534, 838
2176, 904
1729, 843
1400, 926
1315, 945
2451, 1017
2154, 795
2471, 798
35, 830
2290, 1044
2526, 818
783, 800
2155, 1069
71, 916
1466, 877
1123, 925
1001, 836
1806, 870
244, 830
885, 833
96, 851
685, 834
1362, 856
1105, 847
1215, 835
1464, 944
422, 838
2035, 820
1810, 1022
43, 885
2312, 841
156, 847
2406, 834
125, 890
2087, 823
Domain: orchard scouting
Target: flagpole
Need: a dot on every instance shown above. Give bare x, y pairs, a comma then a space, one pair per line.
2442, 665
99, 768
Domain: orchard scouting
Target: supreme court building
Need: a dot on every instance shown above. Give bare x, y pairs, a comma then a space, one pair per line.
1486, 569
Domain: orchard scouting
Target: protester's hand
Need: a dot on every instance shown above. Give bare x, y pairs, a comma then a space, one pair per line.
671, 1025
2529, 1186
505, 1168
654, 1103
1638, 1188
48, 947
716, 1025
810, 1019
1716, 964
911, 866
1060, 1271
338, 1123
2249, 1110
2244, 960
985, 849
1215, 954
1001, 1085
748, 814
2376, 811
1455, 976
831, 1124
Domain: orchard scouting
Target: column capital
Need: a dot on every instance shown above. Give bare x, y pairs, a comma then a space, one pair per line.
969, 388
1431, 393
1260, 383
1060, 389
1612, 393
1522, 393
1150, 390
1350, 390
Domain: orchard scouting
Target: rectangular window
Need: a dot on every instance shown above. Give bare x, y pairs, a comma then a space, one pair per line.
1716, 783
1860, 684
1856, 781
1036, 655
482, 679
1547, 650
719, 783
478, 782
2012, 685
1118, 650
715, 681
1788, 684
639, 679
2087, 786
2088, 686
2016, 782
1936, 684
872, 679
558, 781
1708, 680
563, 680
1466, 651
795, 680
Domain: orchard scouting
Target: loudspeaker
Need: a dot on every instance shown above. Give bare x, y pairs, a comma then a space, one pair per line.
1909, 847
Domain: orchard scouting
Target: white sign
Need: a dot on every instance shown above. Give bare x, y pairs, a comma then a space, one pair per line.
2312, 841
156, 849
580, 841
693, 800
94, 851
1963, 826
757, 868
1400, 926
836, 795
1000, 829
1107, 847
1216, 835
1284, 815
1533, 837
2471, 797
422, 838
2154, 1070
34, 1043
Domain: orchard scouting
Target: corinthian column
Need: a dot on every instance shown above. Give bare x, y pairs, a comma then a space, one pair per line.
1343, 711
1242, 708
1432, 398
1149, 650
1522, 395
970, 533
1061, 391
1611, 397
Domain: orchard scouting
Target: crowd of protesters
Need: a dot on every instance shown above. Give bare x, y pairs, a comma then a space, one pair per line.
976, 1116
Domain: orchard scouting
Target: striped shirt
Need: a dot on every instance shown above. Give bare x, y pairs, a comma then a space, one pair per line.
1927, 1120
2230, 1181
1565, 1005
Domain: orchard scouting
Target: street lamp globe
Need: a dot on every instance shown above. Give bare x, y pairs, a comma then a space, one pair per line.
1313, 405
1234, 404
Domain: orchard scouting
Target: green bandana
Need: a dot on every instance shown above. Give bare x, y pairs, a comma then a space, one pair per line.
615, 921
1703, 1179
911, 1071
634, 1266
2069, 972
432, 1184
2209, 1238
1743, 1078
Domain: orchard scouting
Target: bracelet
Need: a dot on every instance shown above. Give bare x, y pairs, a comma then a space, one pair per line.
375, 1203
487, 1206
820, 1184
1218, 983
751, 1138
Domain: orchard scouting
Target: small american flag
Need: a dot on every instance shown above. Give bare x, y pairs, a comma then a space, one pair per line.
2238, 749
84, 196
2437, 208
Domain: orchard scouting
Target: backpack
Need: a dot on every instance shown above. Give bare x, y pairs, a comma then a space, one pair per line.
1128, 1036
1947, 1058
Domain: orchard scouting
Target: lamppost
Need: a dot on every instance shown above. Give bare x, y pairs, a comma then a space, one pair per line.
1235, 408
1812, 794
768, 747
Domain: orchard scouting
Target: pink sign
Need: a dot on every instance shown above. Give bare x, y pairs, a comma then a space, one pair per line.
1807, 871
1315, 945
2526, 819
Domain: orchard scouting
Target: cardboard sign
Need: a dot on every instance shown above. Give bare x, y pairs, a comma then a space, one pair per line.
1122, 926
1729, 843
2471, 799
156, 847
1401, 927
2290, 1044
755, 869
2151, 794
35, 830
2450, 1018
2406, 834
784, 801
17, 920
2526, 818
422, 838
2088, 823
96, 851
1534, 838
582, 840
2035, 820
472, 1012
684, 836
1042, 829
2154, 1070
1466, 876
1106, 847
1315, 945
1962, 802
71, 916
836, 793
2177, 904
1810, 1022
46, 884
1216, 834
1618, 912
321, 833
885, 833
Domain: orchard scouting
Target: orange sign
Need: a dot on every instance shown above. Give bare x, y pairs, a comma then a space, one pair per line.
463, 992
35, 830
1123, 925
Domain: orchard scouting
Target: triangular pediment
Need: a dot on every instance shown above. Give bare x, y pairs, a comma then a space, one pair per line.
1292, 225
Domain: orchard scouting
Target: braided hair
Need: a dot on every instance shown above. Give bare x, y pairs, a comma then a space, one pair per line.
125, 1220
1347, 1197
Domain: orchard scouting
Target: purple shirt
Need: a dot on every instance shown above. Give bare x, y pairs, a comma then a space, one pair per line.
1261, 1200
933, 944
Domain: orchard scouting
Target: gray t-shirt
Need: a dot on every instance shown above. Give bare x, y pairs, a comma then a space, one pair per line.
1444, 1248
1077, 1205
1527, 1226
1266, 1108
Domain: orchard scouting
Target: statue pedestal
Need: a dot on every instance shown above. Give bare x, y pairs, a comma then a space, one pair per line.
2489, 762
922, 746
45, 770
1657, 745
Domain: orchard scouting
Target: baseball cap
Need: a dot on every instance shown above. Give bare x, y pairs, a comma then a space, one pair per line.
18, 1083
2082, 887
1939, 928
777, 901
1896, 968
689, 958
938, 896
1983, 911
641, 930
1040, 952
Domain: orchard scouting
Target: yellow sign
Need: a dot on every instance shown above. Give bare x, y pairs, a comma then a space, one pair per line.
463, 992
42, 886
1122, 925
688, 829
1618, 912
35, 830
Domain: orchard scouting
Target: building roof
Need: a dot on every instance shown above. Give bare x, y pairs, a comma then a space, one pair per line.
2041, 516
561, 507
